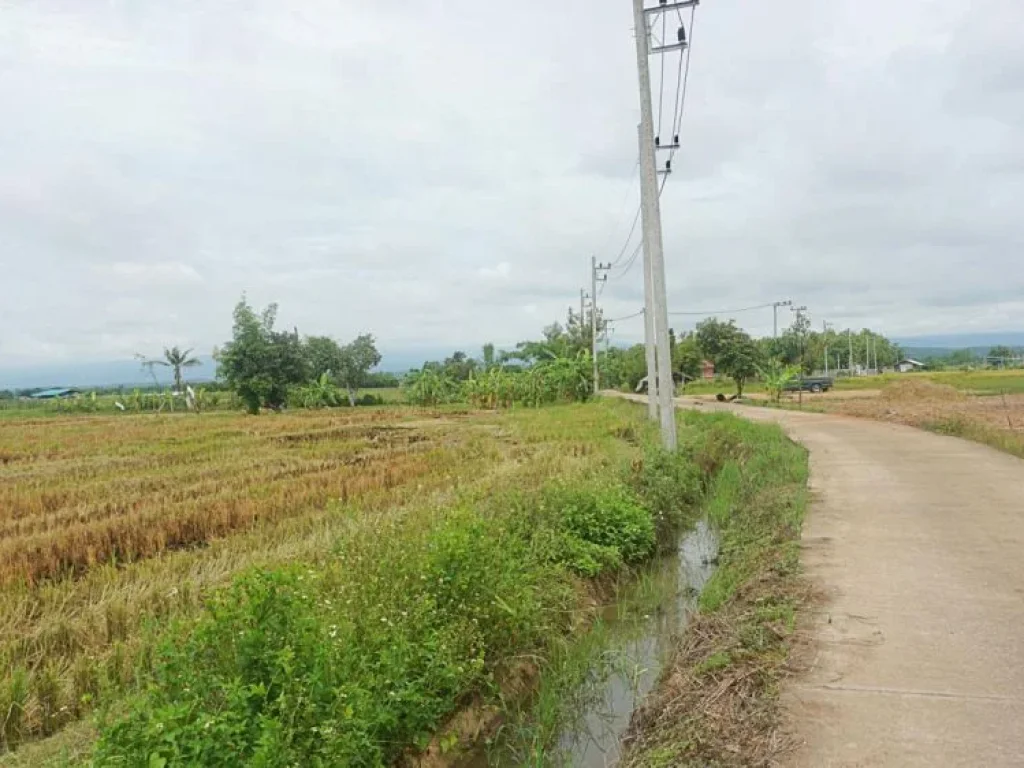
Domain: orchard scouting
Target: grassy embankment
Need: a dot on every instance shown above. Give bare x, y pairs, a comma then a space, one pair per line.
717, 702
310, 586
971, 382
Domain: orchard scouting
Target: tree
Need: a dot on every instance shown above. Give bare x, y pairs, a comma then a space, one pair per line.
357, 358
488, 356
1000, 355
776, 375
459, 366
687, 357
176, 359
259, 363
323, 355
730, 348
740, 360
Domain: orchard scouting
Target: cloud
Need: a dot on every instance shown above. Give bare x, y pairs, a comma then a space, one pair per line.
441, 174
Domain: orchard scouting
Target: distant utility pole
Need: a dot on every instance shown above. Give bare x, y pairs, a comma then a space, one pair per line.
802, 341
849, 338
775, 315
583, 299
594, 267
656, 304
824, 337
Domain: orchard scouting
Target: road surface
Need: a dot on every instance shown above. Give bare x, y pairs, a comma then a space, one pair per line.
917, 543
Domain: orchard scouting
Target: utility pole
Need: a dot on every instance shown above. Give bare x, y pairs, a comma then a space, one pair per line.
594, 267
775, 315
824, 338
802, 339
583, 298
656, 304
849, 338
650, 352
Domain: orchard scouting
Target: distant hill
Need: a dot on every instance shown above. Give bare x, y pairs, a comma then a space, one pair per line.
949, 341
98, 374
128, 373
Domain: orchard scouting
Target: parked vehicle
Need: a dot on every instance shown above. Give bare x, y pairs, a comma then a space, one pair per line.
810, 384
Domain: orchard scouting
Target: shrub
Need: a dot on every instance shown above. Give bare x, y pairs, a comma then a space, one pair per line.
669, 485
606, 516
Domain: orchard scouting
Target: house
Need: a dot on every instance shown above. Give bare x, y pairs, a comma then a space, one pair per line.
707, 370
907, 365
54, 394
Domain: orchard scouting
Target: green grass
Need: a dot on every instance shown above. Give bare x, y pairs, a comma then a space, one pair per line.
980, 432
975, 382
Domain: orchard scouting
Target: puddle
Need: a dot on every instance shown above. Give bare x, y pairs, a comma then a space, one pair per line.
638, 646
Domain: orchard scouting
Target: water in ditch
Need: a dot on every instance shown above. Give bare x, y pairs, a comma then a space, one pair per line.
636, 639
638, 646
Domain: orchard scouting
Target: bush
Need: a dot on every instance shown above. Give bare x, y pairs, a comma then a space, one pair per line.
669, 486
605, 516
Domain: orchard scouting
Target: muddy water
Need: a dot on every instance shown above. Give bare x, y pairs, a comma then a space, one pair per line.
638, 646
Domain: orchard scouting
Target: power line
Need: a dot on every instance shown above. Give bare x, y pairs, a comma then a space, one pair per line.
636, 251
632, 229
724, 311
661, 80
682, 82
681, 92
611, 232
706, 313
625, 317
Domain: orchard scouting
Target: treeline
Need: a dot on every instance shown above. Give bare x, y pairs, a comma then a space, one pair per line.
998, 357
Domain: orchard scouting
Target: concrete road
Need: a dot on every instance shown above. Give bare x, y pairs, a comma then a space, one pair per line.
917, 542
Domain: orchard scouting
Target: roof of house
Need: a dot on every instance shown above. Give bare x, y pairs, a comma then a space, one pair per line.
911, 361
58, 392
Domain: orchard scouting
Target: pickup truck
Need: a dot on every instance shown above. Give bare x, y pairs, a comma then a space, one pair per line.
810, 384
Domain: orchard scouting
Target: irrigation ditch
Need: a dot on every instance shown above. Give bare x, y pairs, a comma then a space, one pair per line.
683, 665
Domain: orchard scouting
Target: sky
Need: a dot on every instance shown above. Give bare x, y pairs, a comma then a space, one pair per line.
439, 173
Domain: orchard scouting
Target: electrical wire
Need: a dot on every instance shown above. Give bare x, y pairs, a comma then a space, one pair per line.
632, 258
625, 317
625, 245
682, 82
724, 311
661, 81
681, 92
618, 220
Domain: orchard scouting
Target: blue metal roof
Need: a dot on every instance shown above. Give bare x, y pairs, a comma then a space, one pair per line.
59, 392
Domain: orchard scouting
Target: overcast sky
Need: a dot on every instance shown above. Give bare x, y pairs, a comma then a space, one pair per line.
440, 172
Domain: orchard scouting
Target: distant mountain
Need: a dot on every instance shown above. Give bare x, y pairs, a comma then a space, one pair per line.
129, 373
98, 374
927, 353
948, 341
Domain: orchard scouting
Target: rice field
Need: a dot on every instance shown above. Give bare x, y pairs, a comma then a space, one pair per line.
113, 525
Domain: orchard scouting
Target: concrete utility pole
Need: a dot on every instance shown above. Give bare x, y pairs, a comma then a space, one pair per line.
849, 338
803, 342
656, 304
650, 351
583, 298
775, 315
594, 267
824, 338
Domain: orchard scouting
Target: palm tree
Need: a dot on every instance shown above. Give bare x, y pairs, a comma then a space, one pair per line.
176, 359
